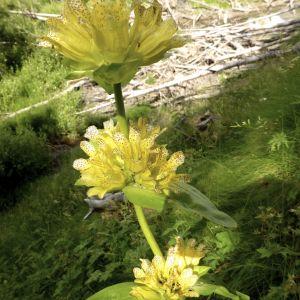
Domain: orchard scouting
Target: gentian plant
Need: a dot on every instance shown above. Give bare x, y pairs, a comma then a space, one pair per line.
102, 42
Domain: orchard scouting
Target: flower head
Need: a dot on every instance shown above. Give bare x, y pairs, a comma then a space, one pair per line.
116, 161
173, 278
102, 43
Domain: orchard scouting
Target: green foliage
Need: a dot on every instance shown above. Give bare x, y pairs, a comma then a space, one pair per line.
140, 110
24, 153
16, 43
64, 112
201, 205
145, 198
150, 79
41, 75
279, 141
23, 156
57, 121
47, 6
260, 185
94, 119
221, 4
224, 243
209, 289
115, 292
234, 166
48, 252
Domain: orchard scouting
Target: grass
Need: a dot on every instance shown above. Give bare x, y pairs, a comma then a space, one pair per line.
51, 241
220, 4
28, 74
40, 77
244, 171
46, 6
246, 162
225, 4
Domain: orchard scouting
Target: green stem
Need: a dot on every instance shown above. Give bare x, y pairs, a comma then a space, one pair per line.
147, 231
121, 108
138, 209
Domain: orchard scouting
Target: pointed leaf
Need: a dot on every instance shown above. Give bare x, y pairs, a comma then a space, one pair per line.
227, 241
144, 198
115, 292
78, 74
201, 205
205, 289
201, 270
79, 182
242, 296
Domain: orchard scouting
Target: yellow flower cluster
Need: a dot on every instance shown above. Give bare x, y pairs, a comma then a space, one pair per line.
172, 278
102, 42
116, 161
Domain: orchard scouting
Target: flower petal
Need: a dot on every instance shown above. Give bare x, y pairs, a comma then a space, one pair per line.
80, 164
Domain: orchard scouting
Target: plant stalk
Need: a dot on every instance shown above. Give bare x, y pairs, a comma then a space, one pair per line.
121, 108
138, 209
147, 231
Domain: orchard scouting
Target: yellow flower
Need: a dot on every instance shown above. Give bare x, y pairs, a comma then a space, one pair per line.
116, 161
102, 43
173, 278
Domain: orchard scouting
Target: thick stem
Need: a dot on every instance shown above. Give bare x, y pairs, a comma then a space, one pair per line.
147, 231
121, 108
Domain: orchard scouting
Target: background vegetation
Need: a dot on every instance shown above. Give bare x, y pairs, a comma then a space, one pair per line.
246, 161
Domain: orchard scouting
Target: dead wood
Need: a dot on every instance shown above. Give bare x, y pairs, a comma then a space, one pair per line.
204, 72
212, 49
70, 88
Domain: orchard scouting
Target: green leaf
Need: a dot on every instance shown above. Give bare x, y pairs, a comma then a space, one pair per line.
242, 296
201, 205
264, 252
201, 270
115, 292
145, 198
276, 249
79, 182
226, 241
205, 289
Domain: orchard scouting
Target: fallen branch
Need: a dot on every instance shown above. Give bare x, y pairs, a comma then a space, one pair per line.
34, 15
170, 10
239, 25
239, 30
44, 16
64, 92
203, 72
255, 49
138, 93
